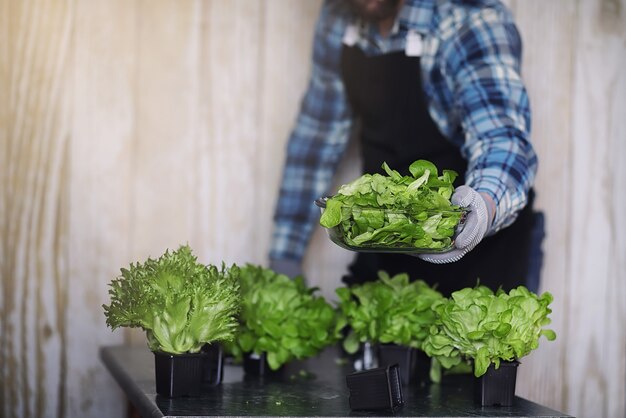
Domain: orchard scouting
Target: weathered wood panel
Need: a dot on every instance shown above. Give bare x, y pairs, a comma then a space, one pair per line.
166, 98
4, 174
548, 32
103, 140
574, 60
36, 146
230, 95
596, 336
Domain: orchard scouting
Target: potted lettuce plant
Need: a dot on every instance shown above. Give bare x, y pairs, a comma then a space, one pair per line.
186, 308
394, 315
281, 320
491, 331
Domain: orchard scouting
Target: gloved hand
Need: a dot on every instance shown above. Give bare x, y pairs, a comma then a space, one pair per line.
477, 224
290, 268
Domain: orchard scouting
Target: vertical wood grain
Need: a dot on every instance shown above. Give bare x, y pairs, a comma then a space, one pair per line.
5, 147
231, 44
166, 95
34, 269
574, 59
4, 194
104, 79
548, 32
596, 336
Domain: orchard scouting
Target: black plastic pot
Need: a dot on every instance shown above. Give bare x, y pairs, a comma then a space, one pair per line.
497, 387
404, 357
422, 367
179, 374
379, 388
256, 365
414, 364
213, 364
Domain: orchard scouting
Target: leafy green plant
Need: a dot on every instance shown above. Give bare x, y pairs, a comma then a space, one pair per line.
395, 210
389, 310
180, 303
487, 328
281, 317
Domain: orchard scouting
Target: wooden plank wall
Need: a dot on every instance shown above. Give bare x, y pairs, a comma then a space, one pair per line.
550, 92
131, 126
575, 55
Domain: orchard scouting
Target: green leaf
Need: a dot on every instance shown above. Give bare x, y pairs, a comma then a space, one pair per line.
273, 361
475, 335
502, 330
391, 173
481, 362
435, 371
332, 213
351, 343
419, 167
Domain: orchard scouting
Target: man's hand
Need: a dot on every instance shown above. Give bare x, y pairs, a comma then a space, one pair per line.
477, 224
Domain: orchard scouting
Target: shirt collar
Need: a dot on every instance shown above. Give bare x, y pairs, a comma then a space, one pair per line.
417, 15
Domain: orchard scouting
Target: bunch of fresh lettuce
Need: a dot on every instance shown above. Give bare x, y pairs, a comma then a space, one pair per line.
389, 310
396, 211
282, 318
179, 302
476, 324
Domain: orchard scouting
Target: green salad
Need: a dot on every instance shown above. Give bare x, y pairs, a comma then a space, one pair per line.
392, 210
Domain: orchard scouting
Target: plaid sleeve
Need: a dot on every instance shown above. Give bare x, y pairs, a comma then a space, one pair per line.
316, 143
483, 61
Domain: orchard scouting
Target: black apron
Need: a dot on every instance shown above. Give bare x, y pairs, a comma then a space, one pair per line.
386, 95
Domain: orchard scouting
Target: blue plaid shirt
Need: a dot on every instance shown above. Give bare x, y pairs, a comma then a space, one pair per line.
471, 76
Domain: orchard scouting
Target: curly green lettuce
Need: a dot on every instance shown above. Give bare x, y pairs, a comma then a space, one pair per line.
179, 302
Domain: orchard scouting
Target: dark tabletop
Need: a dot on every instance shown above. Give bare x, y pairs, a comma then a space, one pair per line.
320, 392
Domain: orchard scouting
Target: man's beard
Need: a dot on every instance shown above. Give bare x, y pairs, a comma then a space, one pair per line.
375, 10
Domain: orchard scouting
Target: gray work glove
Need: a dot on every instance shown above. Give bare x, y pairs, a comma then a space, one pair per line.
477, 225
290, 268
